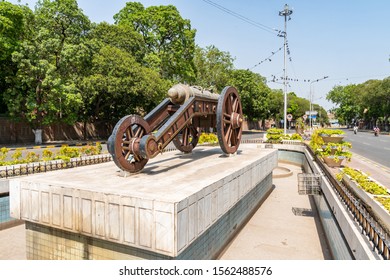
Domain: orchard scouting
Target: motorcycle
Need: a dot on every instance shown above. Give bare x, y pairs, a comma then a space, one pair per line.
376, 131
355, 129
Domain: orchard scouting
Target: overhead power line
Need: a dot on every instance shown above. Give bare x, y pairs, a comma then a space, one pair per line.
243, 18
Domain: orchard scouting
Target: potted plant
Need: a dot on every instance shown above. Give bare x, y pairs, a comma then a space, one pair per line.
331, 135
335, 159
332, 153
336, 148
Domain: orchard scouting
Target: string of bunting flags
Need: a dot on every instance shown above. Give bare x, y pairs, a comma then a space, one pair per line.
272, 54
267, 58
275, 79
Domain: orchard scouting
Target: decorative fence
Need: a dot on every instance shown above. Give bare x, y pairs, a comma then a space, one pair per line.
376, 234
45, 166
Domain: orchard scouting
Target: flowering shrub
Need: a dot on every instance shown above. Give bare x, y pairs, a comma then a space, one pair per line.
210, 138
3, 153
275, 135
363, 181
65, 153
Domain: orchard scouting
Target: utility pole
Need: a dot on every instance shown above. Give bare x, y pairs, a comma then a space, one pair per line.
285, 13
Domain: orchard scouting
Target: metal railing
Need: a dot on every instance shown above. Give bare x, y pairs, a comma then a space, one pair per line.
379, 238
376, 234
45, 166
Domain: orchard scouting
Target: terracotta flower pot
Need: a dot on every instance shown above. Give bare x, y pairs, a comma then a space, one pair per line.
331, 162
332, 139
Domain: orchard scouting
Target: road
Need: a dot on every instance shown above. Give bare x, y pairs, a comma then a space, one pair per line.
366, 144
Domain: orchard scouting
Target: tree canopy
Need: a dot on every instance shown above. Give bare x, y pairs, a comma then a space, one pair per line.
213, 67
58, 66
368, 102
13, 29
169, 39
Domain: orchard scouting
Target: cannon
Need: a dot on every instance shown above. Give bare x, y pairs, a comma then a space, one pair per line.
179, 118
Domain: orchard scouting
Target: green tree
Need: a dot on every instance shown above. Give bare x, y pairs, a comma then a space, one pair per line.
118, 85
385, 85
49, 62
297, 106
368, 101
276, 105
169, 39
292, 103
253, 93
13, 29
123, 37
374, 96
346, 98
212, 67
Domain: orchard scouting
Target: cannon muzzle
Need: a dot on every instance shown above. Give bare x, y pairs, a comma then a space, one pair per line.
180, 93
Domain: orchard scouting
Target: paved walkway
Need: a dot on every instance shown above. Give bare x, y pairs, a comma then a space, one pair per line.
285, 227
13, 243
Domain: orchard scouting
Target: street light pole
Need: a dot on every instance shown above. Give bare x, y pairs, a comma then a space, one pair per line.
311, 100
285, 13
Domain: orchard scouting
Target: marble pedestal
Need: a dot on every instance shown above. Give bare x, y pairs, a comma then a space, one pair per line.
179, 207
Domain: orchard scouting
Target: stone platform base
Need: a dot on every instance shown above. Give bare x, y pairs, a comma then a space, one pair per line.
179, 207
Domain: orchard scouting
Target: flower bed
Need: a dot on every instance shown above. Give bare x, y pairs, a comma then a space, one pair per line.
369, 191
51, 165
65, 153
276, 136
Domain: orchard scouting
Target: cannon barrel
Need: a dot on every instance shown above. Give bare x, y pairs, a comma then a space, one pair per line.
180, 93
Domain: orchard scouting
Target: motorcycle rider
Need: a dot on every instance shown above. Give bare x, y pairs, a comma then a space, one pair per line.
376, 131
355, 129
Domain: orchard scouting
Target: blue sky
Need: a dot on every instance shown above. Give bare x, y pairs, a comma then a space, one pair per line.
346, 40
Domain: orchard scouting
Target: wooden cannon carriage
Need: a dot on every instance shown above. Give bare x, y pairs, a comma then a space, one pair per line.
179, 119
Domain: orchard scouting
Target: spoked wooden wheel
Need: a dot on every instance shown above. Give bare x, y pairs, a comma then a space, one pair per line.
123, 144
229, 120
187, 139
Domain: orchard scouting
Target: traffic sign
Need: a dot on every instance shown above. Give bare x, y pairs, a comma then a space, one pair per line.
311, 112
289, 117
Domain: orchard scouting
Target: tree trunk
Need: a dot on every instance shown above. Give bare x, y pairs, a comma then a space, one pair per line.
85, 130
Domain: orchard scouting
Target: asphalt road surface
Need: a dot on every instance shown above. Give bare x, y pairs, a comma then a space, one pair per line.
375, 148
